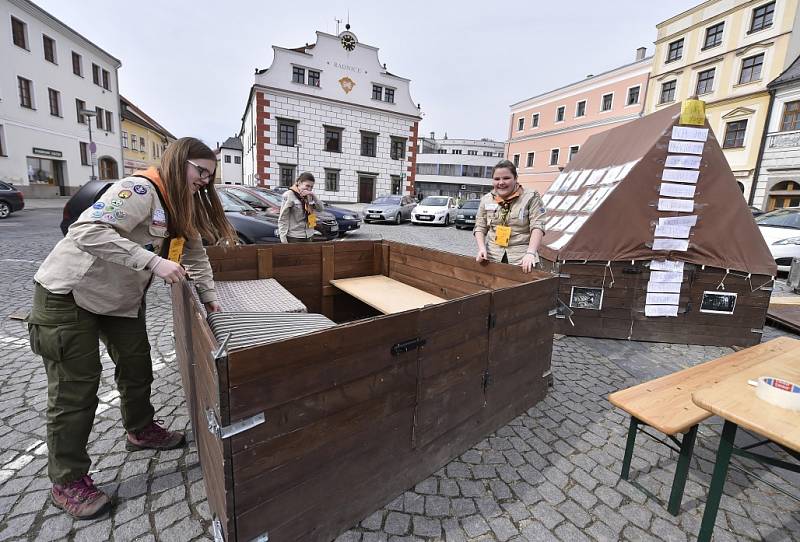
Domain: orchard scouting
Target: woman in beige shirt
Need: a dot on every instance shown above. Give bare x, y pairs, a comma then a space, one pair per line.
92, 286
509, 225
297, 217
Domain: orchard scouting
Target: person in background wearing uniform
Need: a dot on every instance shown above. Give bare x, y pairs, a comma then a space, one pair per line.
92, 286
509, 225
297, 218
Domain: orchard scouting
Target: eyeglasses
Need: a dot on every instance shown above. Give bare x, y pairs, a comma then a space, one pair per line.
204, 173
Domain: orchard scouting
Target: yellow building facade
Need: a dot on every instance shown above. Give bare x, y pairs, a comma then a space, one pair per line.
143, 139
725, 52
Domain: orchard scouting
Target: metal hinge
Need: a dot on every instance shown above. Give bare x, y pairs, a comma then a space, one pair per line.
221, 351
487, 379
492, 320
407, 346
759, 331
216, 528
228, 431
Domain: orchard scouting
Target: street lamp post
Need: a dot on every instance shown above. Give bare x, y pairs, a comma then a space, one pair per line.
92, 147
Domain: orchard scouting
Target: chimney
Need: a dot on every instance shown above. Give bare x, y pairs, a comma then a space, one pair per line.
433, 135
640, 52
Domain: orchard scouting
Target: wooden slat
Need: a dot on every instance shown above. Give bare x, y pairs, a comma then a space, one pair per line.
265, 263
328, 270
666, 403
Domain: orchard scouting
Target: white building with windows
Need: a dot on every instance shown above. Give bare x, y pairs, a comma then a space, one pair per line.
331, 108
49, 73
229, 156
456, 167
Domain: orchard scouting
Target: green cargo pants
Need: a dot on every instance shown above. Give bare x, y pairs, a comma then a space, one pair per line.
66, 336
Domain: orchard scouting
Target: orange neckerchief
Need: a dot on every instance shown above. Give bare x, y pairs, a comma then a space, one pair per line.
507, 201
153, 175
306, 206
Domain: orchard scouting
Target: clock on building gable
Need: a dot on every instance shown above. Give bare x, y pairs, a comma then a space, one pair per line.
348, 40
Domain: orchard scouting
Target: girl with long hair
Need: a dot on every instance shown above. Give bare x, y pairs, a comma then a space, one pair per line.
92, 287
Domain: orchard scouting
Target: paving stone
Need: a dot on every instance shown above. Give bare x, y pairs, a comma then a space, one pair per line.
453, 531
397, 523
374, 521
428, 486
437, 506
551, 493
503, 528
547, 515
666, 531
374, 537
30, 503
171, 496
427, 527
184, 531
448, 488
537, 532
413, 503
55, 528
462, 507
471, 488
570, 533
18, 526
474, 525
516, 510
166, 517
580, 495
95, 532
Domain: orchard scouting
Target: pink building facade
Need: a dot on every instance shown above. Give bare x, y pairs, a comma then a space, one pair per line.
546, 131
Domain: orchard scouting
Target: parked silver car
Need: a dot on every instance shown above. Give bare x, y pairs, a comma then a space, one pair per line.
389, 209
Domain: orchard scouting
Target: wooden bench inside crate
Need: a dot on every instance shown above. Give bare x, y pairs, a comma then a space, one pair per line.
386, 294
666, 405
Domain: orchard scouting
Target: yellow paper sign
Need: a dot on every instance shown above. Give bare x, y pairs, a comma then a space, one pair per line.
503, 234
693, 112
176, 249
312, 220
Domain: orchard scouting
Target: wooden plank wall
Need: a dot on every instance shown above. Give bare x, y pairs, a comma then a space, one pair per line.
622, 315
204, 389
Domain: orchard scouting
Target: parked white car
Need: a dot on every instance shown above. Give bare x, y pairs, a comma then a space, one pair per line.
434, 210
781, 231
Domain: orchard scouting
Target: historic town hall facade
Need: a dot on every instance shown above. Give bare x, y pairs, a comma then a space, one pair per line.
333, 109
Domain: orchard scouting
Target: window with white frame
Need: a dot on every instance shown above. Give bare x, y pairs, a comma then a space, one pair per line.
227, 158
54, 97
25, 92
535, 120
705, 82
675, 50
573, 150
331, 180
77, 64
124, 139
560, 113
529, 160
751, 69
633, 95
286, 174
19, 33
580, 109
49, 46
762, 17
607, 102
298, 75
520, 124
714, 35
554, 156
667, 92
516, 160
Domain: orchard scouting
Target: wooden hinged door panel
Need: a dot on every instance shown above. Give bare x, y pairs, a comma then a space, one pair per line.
520, 345
452, 365
206, 401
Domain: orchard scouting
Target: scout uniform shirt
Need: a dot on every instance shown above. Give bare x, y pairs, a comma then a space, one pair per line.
526, 214
292, 217
103, 258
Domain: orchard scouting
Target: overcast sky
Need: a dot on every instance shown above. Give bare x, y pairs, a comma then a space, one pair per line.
191, 68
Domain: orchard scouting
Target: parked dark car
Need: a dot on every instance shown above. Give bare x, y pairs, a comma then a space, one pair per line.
348, 220
250, 226
11, 199
465, 215
269, 202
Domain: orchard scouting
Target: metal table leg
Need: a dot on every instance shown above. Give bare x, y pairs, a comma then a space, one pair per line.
626, 461
717, 481
682, 471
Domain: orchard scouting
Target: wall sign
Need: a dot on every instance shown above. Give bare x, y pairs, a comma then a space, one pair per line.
586, 298
47, 152
718, 302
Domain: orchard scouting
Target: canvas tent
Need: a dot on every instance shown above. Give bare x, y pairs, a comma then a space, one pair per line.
653, 240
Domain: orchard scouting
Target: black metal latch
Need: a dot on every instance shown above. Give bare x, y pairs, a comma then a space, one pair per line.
407, 346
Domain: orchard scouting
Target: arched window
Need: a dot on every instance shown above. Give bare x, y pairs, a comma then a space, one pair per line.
108, 168
784, 194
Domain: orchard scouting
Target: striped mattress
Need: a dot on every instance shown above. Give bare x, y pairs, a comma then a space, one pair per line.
262, 295
257, 328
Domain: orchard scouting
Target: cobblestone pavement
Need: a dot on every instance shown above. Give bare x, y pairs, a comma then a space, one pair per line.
550, 474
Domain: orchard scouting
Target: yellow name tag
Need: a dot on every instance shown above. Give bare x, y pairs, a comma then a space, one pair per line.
312, 220
693, 112
176, 249
503, 234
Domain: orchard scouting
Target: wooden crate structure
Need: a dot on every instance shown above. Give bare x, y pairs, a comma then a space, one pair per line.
652, 240
356, 414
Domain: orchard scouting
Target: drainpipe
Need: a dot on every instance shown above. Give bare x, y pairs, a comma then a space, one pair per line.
752, 195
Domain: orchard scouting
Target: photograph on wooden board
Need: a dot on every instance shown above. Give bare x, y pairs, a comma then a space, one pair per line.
718, 302
586, 298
